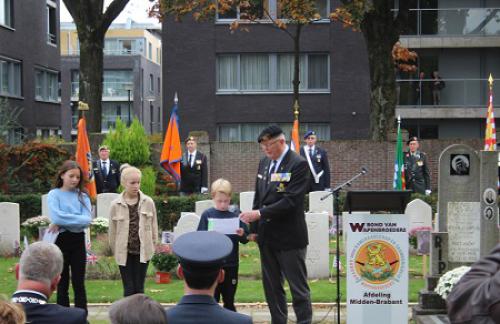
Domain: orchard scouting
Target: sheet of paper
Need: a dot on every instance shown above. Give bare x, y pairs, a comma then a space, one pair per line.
50, 237
224, 225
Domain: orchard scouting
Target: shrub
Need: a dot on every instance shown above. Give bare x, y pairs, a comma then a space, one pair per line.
30, 205
148, 181
164, 262
105, 268
129, 145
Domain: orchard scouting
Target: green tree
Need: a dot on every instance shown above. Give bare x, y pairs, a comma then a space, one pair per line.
92, 23
129, 145
381, 28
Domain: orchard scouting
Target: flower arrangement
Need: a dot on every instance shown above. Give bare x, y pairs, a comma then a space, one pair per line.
164, 262
31, 225
449, 280
100, 225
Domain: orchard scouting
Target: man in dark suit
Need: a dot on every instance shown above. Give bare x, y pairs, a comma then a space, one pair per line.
201, 256
106, 172
417, 175
278, 208
317, 159
39, 272
194, 170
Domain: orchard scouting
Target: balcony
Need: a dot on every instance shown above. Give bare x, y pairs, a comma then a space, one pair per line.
460, 98
110, 52
110, 90
458, 27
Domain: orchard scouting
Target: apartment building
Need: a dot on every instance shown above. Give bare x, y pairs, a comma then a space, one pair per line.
30, 65
131, 76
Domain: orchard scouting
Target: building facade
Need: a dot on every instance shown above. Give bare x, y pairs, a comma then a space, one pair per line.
30, 66
460, 40
131, 77
232, 84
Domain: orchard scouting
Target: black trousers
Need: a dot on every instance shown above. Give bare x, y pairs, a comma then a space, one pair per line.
133, 275
228, 288
72, 246
290, 264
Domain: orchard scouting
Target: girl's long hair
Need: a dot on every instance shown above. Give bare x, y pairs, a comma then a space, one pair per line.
80, 188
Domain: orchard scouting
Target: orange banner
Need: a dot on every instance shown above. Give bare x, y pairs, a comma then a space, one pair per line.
171, 153
84, 157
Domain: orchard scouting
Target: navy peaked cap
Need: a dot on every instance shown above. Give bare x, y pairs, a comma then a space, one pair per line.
269, 132
202, 250
309, 133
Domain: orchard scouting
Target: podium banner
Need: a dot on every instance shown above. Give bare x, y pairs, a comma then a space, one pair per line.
377, 268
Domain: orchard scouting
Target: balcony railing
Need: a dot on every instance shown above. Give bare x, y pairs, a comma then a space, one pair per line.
107, 121
458, 93
108, 52
454, 22
109, 89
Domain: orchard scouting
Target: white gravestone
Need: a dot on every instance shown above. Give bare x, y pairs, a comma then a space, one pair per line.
10, 229
104, 201
246, 200
202, 205
187, 223
420, 214
317, 257
464, 231
45, 205
316, 205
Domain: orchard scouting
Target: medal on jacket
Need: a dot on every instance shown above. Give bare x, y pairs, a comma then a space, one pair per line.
318, 157
281, 187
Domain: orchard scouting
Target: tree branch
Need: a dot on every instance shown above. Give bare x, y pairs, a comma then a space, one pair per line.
112, 12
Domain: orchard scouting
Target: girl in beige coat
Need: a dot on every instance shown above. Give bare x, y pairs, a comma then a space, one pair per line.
133, 231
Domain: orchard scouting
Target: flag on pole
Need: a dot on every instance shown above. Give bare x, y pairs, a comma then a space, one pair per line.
295, 142
171, 153
84, 157
399, 177
490, 137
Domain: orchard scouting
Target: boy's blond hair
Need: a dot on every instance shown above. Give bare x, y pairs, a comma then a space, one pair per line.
221, 185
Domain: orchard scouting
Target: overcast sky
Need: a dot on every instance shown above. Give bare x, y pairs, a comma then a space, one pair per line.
135, 9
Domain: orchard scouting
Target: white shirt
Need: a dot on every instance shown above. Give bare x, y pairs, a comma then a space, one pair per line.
106, 165
192, 158
278, 161
309, 149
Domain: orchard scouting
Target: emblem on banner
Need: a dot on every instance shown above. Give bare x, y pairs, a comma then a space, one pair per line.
377, 262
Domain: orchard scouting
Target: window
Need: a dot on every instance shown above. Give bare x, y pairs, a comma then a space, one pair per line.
115, 46
237, 12
271, 72
151, 83
46, 85
249, 132
51, 22
150, 51
10, 78
322, 7
6, 13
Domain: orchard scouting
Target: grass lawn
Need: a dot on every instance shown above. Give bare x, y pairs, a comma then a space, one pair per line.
249, 287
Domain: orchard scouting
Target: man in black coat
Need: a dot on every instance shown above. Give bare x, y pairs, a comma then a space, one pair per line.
278, 208
201, 257
106, 172
417, 175
194, 170
39, 273
317, 159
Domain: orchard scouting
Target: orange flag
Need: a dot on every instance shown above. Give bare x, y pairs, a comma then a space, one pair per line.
295, 142
84, 157
171, 153
490, 139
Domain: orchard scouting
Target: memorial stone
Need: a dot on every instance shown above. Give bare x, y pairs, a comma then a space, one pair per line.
246, 200
187, 223
10, 229
104, 203
317, 257
202, 205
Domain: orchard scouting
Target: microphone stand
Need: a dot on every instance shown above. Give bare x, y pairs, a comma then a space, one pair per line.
336, 212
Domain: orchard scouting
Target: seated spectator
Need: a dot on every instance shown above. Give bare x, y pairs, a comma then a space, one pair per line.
39, 273
11, 313
476, 297
137, 309
201, 257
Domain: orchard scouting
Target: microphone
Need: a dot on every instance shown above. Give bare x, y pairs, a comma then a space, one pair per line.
364, 170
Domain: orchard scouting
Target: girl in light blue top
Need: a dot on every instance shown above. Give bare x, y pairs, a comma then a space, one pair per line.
69, 212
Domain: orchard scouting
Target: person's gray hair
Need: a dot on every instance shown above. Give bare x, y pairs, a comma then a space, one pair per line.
137, 309
41, 262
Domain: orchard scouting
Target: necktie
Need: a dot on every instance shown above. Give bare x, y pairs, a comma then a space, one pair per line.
311, 153
104, 169
190, 158
273, 167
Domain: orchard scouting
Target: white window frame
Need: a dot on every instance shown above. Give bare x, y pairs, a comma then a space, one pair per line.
273, 83
7, 13
13, 83
51, 5
45, 87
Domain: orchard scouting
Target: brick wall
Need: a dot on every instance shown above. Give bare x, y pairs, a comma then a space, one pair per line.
238, 162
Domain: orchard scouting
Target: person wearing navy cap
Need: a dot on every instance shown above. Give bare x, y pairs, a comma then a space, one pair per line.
278, 209
417, 175
317, 159
201, 257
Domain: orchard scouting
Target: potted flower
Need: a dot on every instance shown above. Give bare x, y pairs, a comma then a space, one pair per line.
164, 263
449, 280
99, 226
35, 226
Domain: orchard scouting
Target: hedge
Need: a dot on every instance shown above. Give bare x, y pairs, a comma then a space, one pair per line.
168, 209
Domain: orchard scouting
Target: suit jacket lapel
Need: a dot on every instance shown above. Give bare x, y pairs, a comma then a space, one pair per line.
283, 166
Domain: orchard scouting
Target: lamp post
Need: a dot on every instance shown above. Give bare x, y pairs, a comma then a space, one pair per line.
129, 87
